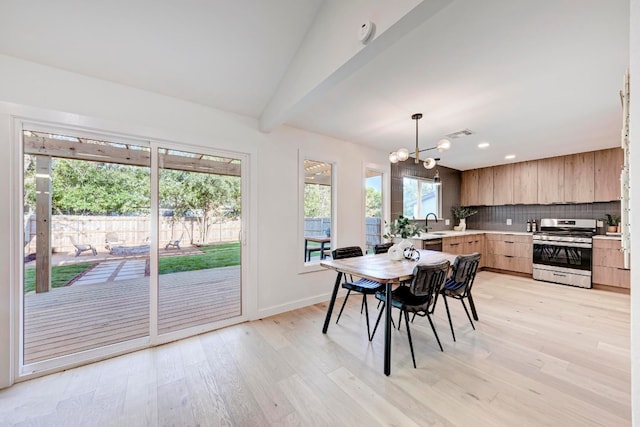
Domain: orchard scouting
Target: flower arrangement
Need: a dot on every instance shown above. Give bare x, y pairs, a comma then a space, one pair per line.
462, 212
401, 227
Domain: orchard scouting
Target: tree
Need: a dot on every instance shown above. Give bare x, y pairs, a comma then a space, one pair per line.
317, 201
373, 203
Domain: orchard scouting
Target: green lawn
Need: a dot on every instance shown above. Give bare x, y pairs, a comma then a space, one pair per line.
222, 255
60, 276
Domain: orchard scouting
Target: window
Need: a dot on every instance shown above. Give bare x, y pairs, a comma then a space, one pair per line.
420, 196
318, 201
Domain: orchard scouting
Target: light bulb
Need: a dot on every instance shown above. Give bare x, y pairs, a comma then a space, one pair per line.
393, 157
403, 154
429, 163
443, 144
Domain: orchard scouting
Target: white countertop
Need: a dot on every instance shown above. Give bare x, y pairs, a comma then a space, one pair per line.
451, 233
605, 237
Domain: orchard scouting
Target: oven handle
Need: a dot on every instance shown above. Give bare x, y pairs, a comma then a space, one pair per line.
562, 244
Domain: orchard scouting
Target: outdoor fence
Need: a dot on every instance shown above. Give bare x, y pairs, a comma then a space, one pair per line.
131, 230
314, 227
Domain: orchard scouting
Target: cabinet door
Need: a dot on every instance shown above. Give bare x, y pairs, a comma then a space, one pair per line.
453, 245
551, 180
469, 188
485, 186
525, 183
607, 165
578, 178
503, 185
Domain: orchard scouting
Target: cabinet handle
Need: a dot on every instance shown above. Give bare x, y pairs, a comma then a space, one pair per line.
507, 241
454, 244
508, 256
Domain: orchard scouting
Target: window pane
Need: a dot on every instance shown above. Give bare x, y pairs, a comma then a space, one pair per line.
317, 209
420, 196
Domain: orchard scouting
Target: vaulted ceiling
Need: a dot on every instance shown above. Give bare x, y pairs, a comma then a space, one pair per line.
533, 79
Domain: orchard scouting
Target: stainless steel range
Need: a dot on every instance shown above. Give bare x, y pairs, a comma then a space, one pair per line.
562, 251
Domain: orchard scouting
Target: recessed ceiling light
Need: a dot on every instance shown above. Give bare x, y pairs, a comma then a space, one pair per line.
510, 156
483, 145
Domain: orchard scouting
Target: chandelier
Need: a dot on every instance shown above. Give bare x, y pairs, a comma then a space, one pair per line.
430, 162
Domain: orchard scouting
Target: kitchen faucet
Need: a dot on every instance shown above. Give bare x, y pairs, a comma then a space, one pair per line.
426, 220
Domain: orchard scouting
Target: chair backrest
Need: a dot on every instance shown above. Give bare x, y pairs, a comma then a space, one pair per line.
428, 278
463, 272
346, 252
382, 248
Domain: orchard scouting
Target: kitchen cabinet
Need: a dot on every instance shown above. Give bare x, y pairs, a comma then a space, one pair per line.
607, 167
464, 245
503, 185
608, 264
485, 187
469, 188
525, 183
551, 180
579, 178
510, 252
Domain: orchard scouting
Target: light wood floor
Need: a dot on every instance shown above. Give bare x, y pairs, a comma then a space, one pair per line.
542, 355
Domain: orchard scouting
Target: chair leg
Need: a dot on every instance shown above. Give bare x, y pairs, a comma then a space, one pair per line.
399, 319
446, 304
406, 320
472, 306
364, 303
366, 314
433, 328
468, 316
343, 304
378, 320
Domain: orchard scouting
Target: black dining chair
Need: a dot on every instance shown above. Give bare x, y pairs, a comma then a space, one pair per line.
458, 285
381, 248
418, 297
363, 286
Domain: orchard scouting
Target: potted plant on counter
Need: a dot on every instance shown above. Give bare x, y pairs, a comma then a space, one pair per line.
401, 228
612, 223
461, 213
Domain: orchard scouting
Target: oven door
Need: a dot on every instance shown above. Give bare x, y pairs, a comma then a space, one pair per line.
570, 255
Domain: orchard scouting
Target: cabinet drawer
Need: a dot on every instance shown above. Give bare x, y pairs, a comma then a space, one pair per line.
516, 238
509, 247
510, 263
612, 276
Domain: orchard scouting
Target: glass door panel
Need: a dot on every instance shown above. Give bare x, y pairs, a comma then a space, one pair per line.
199, 229
373, 208
86, 244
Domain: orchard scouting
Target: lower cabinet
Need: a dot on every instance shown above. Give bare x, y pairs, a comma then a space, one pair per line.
608, 264
464, 245
510, 252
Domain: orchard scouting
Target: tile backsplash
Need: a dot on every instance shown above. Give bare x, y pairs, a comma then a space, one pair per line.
495, 217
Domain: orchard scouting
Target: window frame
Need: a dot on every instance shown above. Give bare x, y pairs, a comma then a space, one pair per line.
422, 180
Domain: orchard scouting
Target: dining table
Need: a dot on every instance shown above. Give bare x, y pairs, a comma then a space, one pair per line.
379, 268
317, 239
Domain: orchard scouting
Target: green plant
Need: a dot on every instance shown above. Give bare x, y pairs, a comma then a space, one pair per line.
612, 219
401, 227
462, 212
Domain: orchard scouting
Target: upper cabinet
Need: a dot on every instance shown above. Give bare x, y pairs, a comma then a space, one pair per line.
579, 178
525, 183
503, 185
608, 165
551, 180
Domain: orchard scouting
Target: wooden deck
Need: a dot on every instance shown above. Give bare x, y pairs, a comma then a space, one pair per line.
76, 318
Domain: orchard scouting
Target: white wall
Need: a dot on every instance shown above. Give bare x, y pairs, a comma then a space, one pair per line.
275, 285
634, 66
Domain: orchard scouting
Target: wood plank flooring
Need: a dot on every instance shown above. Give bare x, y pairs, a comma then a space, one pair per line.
75, 318
541, 355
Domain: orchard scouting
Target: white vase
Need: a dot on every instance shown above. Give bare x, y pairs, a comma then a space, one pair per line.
463, 224
396, 252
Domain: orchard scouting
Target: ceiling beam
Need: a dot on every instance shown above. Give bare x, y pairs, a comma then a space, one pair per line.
331, 51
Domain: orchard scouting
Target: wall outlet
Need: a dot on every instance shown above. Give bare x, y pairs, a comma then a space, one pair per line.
599, 223
508, 221
446, 222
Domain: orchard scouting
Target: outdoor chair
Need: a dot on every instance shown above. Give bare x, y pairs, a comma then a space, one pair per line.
363, 286
112, 240
82, 247
174, 243
417, 298
458, 286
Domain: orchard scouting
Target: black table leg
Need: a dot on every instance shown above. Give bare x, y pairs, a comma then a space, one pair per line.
473, 308
322, 250
336, 286
307, 255
387, 331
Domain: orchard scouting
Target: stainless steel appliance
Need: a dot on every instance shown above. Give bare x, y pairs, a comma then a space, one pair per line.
562, 251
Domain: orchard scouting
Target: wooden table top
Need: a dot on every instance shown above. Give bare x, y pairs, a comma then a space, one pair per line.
319, 239
381, 268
